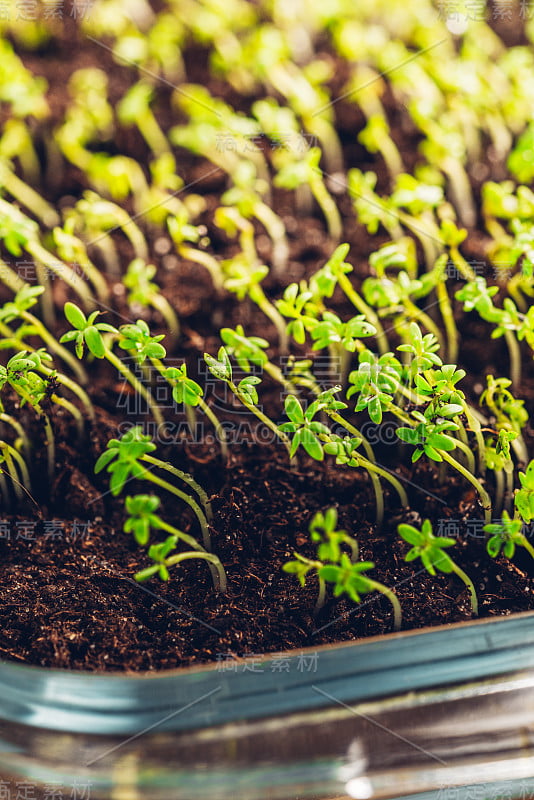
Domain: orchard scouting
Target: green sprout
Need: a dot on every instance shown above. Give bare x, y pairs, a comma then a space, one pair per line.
332, 565
506, 535
88, 333
160, 554
430, 549
294, 172
142, 518
134, 109
188, 392
245, 391
127, 458
144, 292
524, 497
431, 439
20, 373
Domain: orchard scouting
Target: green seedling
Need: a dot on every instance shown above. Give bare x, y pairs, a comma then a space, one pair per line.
430, 549
294, 172
510, 413
506, 535
142, 518
317, 440
244, 272
524, 497
134, 109
19, 308
477, 296
433, 440
20, 233
245, 391
126, 459
334, 566
188, 392
249, 351
88, 333
20, 373
144, 292
160, 554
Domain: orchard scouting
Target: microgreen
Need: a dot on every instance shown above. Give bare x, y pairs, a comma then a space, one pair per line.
524, 497
245, 390
127, 458
334, 566
430, 549
142, 518
87, 333
161, 555
144, 292
506, 535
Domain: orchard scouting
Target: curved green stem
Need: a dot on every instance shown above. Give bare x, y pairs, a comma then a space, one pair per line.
370, 315
71, 408
451, 330
262, 417
63, 271
186, 478
161, 304
152, 134
499, 490
327, 204
184, 537
482, 493
12, 455
205, 260
214, 569
258, 296
19, 430
393, 599
277, 234
210, 558
187, 499
321, 595
469, 583
515, 357
145, 393
12, 472
528, 547
50, 446
474, 425
219, 427
10, 278
28, 197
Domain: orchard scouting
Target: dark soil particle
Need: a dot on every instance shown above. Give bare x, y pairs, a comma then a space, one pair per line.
66, 566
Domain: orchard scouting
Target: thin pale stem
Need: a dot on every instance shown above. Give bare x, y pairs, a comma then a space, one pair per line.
145, 393
482, 493
361, 306
73, 410
187, 499
262, 417
19, 430
210, 558
393, 599
469, 583
186, 478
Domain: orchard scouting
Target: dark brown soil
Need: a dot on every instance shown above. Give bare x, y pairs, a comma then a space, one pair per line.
66, 566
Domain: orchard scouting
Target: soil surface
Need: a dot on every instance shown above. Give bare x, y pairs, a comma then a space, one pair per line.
66, 566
